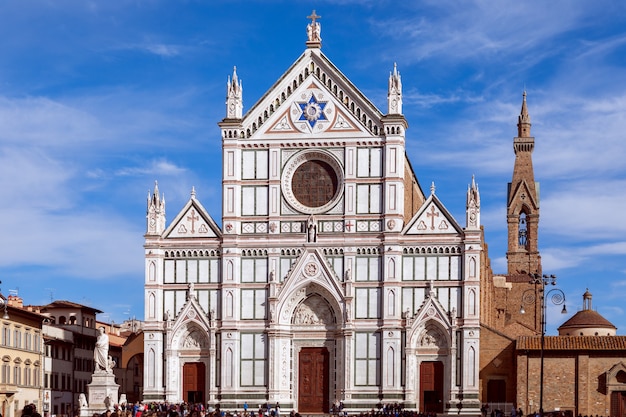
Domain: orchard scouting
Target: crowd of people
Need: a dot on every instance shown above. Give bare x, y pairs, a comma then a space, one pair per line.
164, 409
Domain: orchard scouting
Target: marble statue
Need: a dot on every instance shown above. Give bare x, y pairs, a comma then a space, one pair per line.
101, 352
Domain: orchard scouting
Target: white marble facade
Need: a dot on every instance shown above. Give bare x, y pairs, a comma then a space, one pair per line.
333, 275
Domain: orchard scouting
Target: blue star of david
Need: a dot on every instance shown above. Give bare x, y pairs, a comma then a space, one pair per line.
312, 110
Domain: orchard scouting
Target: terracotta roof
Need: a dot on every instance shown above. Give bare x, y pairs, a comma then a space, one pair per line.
70, 304
572, 343
587, 318
115, 340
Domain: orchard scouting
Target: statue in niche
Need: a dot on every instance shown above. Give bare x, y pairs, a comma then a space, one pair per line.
311, 230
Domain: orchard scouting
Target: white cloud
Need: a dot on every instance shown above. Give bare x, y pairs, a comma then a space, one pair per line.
585, 210
30, 178
40, 121
483, 29
159, 167
162, 50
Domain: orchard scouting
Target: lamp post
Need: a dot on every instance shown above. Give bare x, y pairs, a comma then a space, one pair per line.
530, 296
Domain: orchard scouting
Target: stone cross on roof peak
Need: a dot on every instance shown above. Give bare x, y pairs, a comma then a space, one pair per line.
313, 16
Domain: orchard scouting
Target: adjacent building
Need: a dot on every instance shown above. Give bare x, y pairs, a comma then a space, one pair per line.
21, 371
584, 367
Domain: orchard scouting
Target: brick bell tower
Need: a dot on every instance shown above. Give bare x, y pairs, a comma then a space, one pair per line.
523, 204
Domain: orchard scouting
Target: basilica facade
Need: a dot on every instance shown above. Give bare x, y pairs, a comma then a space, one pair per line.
332, 276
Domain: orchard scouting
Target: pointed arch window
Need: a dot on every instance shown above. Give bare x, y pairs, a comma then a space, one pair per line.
522, 230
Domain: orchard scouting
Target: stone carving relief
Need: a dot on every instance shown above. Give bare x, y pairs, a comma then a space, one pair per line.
194, 340
313, 311
432, 337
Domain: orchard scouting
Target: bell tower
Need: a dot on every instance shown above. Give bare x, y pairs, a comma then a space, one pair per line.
523, 203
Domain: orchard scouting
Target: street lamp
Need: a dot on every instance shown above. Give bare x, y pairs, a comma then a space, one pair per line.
557, 298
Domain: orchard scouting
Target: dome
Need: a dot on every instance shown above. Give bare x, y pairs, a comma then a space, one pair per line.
587, 322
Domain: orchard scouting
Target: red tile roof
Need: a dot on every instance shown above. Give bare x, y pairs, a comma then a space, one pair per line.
572, 343
587, 318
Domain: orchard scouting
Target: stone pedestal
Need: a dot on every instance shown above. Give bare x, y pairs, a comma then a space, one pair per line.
102, 394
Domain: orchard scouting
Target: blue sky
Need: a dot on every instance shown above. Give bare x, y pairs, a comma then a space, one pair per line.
98, 99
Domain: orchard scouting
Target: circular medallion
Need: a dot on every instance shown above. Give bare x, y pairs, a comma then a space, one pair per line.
312, 182
310, 269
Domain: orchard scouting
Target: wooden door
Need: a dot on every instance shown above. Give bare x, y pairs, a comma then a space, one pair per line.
193, 382
431, 387
313, 380
618, 404
496, 391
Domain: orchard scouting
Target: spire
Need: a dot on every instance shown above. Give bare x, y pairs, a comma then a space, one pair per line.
394, 93
155, 213
314, 32
523, 203
523, 121
234, 97
472, 208
193, 192
153, 198
432, 188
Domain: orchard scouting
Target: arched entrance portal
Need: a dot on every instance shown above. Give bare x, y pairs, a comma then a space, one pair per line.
313, 383
193, 382
313, 319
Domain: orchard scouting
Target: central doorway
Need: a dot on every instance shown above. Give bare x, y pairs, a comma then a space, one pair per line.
431, 387
313, 381
193, 382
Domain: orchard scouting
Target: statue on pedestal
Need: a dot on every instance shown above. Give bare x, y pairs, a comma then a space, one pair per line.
101, 353
102, 391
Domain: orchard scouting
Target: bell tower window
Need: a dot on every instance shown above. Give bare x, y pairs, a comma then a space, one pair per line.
523, 230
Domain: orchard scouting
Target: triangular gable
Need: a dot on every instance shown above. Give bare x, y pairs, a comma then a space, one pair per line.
432, 218
421, 324
431, 309
611, 374
312, 266
191, 326
191, 311
339, 106
313, 110
523, 194
310, 270
193, 221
